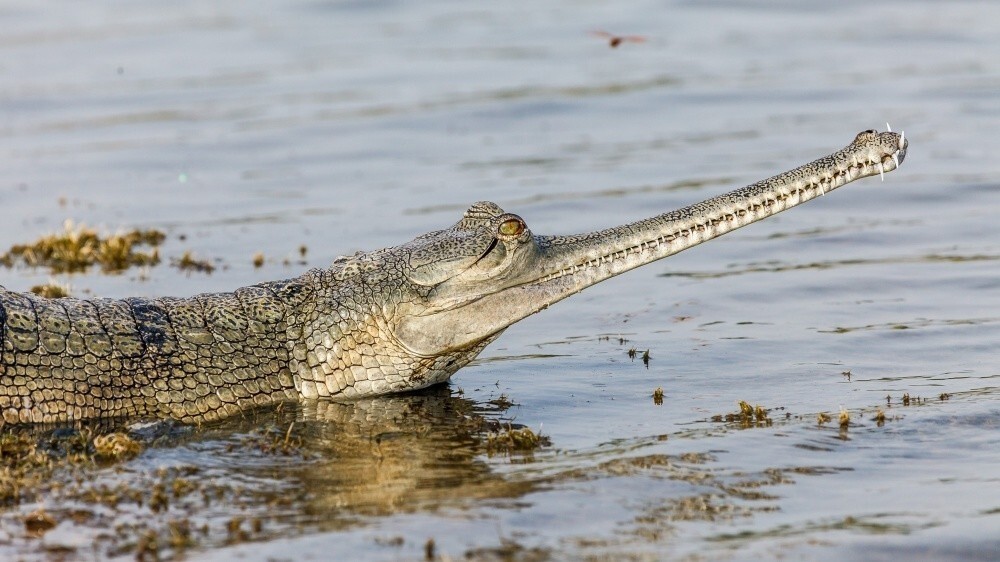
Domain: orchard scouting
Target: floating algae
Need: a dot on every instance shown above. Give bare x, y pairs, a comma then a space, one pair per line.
51, 290
511, 440
748, 416
188, 262
77, 248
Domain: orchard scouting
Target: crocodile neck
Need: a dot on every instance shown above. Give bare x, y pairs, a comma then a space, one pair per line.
391, 320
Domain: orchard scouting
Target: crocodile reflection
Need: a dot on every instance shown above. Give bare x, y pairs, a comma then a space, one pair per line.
427, 451
397, 454
324, 466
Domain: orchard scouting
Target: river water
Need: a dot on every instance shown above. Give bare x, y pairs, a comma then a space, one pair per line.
258, 127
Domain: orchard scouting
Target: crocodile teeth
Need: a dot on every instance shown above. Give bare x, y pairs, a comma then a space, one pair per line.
895, 155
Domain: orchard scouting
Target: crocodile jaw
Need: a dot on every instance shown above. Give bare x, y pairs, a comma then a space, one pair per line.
456, 315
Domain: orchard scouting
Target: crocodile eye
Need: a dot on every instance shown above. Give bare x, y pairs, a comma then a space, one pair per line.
511, 228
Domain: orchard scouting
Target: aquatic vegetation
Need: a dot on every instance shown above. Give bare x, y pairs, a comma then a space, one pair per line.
503, 402
38, 522
77, 248
658, 396
51, 290
22, 467
633, 353
27, 462
237, 534
160, 513
272, 440
509, 440
844, 418
748, 416
187, 262
116, 447
508, 549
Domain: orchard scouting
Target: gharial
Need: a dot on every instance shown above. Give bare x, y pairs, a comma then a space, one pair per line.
391, 320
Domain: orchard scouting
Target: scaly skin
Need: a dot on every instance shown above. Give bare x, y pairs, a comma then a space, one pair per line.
387, 321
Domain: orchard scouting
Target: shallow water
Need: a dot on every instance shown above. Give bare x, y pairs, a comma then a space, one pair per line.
246, 127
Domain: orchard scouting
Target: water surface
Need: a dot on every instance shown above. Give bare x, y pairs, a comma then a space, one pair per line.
246, 127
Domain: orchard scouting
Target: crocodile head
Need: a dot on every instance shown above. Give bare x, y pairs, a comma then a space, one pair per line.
410, 316
464, 276
489, 270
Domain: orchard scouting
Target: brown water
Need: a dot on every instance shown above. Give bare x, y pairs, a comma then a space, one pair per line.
246, 127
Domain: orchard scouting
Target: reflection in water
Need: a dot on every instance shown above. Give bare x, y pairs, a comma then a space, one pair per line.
427, 453
326, 467
422, 458
293, 470
400, 454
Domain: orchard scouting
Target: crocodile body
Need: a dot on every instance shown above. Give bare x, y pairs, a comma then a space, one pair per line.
391, 320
